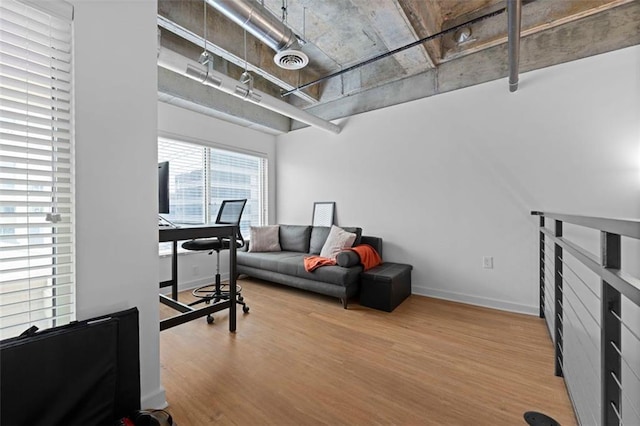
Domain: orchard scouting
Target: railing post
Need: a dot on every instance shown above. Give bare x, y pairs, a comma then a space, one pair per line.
542, 266
557, 261
610, 333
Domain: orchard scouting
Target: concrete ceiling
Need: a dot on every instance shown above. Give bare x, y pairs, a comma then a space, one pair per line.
343, 33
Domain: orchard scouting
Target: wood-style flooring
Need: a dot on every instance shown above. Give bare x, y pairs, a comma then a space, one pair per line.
301, 359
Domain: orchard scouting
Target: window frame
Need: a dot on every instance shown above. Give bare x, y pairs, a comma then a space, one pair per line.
209, 210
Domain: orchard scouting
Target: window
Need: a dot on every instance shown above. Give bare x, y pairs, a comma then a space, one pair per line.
36, 167
200, 178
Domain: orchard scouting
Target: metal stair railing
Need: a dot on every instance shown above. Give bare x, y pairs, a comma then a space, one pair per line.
618, 370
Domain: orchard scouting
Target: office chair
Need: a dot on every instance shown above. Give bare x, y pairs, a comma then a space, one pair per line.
229, 214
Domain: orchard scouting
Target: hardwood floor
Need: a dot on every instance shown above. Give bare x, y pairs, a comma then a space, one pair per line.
301, 359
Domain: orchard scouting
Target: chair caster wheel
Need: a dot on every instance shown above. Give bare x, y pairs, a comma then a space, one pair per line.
245, 309
209, 319
240, 299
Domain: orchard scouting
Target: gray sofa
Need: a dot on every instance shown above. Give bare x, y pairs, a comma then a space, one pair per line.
287, 266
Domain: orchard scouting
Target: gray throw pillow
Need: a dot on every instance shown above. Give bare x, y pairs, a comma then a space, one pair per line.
295, 238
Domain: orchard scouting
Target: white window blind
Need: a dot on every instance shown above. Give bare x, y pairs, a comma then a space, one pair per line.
36, 167
237, 176
200, 178
186, 181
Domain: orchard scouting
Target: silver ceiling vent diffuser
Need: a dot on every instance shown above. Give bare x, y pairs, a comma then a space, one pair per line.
291, 59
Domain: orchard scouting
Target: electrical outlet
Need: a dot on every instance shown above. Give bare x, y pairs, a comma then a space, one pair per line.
487, 262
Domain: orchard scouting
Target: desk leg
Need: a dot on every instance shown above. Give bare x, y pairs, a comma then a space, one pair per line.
232, 282
174, 271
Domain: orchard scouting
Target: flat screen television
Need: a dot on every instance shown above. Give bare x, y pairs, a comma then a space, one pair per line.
163, 187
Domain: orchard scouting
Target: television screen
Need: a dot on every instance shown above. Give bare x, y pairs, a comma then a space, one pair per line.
163, 187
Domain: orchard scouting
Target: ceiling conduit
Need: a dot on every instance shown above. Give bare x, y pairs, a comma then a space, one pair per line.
257, 20
514, 14
207, 75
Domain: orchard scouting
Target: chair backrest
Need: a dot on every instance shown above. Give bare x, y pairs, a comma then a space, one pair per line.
230, 213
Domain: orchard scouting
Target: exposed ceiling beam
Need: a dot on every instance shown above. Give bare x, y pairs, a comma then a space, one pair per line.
176, 89
572, 41
391, 53
425, 17
206, 75
537, 16
350, 43
395, 30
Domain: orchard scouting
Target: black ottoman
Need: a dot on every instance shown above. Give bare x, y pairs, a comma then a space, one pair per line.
385, 286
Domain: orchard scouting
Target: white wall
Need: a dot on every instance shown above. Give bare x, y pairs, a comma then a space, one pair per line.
117, 121
195, 269
116, 163
449, 179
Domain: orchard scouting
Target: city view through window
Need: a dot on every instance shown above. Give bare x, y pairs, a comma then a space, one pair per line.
200, 178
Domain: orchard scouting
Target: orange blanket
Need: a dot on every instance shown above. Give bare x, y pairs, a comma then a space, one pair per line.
312, 263
369, 257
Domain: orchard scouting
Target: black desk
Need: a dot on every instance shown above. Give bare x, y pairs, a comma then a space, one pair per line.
189, 313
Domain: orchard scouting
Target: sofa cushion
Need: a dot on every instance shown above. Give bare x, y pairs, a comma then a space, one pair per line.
319, 235
338, 240
271, 261
264, 238
295, 238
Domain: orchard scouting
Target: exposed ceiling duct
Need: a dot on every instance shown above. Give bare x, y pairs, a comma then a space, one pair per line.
205, 74
514, 13
257, 20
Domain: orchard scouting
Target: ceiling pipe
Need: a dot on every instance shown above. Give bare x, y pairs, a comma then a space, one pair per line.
514, 13
207, 75
257, 19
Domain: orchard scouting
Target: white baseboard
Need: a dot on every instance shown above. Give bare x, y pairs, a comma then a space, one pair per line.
418, 290
155, 400
476, 300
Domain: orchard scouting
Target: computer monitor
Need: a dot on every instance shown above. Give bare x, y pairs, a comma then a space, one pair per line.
163, 187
